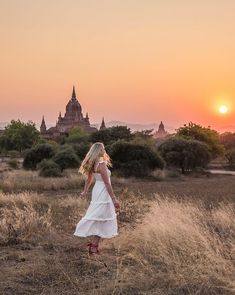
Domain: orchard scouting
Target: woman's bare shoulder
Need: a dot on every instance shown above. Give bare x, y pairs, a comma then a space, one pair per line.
100, 165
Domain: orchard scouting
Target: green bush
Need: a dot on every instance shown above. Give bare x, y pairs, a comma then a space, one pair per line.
131, 159
111, 135
66, 158
48, 168
77, 135
36, 154
81, 149
185, 154
203, 134
19, 136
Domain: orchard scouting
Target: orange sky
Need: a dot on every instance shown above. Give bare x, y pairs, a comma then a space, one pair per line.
134, 61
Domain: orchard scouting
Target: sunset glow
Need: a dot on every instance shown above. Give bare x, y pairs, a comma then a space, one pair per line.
130, 61
223, 109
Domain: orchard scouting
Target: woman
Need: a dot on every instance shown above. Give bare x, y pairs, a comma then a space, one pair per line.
100, 220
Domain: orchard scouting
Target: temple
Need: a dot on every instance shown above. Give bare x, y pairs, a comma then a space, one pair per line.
73, 118
161, 132
102, 126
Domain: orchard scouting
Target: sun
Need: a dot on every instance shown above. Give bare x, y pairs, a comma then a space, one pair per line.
223, 109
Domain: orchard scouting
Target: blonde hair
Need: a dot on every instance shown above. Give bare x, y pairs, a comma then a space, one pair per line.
92, 158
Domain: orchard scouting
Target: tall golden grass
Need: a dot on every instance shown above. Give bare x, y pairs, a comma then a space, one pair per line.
21, 180
24, 216
181, 248
32, 217
165, 246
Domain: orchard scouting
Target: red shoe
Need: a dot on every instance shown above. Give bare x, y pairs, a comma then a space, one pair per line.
93, 249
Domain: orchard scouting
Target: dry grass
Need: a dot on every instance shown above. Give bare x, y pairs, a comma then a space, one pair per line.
170, 242
22, 216
21, 180
181, 248
211, 189
31, 217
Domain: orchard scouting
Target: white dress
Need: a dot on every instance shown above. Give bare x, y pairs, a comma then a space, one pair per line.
100, 218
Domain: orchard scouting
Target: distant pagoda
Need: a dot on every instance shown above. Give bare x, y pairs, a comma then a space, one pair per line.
161, 132
73, 118
102, 126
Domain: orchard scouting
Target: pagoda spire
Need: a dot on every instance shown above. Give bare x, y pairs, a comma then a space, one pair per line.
87, 119
59, 117
74, 93
43, 127
102, 126
161, 127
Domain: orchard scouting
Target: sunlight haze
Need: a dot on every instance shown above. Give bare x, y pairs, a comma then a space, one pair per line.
132, 61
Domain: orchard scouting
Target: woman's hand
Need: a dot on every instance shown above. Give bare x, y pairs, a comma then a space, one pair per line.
83, 194
116, 205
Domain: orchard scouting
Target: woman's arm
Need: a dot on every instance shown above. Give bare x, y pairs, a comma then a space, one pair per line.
105, 177
87, 184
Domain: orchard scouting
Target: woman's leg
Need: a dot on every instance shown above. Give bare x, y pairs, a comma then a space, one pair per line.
94, 244
96, 240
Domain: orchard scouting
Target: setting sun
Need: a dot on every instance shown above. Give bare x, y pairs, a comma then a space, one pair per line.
223, 109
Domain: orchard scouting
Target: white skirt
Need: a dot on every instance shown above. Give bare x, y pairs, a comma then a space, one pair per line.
100, 218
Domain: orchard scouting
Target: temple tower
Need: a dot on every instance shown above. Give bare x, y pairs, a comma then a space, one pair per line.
43, 127
102, 126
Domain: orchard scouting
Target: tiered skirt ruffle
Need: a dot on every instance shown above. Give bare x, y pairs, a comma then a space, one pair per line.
100, 218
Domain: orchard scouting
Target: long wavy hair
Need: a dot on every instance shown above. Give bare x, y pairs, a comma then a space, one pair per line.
92, 158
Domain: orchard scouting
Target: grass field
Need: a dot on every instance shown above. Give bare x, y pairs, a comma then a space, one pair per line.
176, 236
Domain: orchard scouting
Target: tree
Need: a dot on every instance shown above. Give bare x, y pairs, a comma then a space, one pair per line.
66, 158
144, 137
131, 159
111, 135
103, 135
81, 149
185, 154
36, 154
19, 136
203, 134
77, 135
